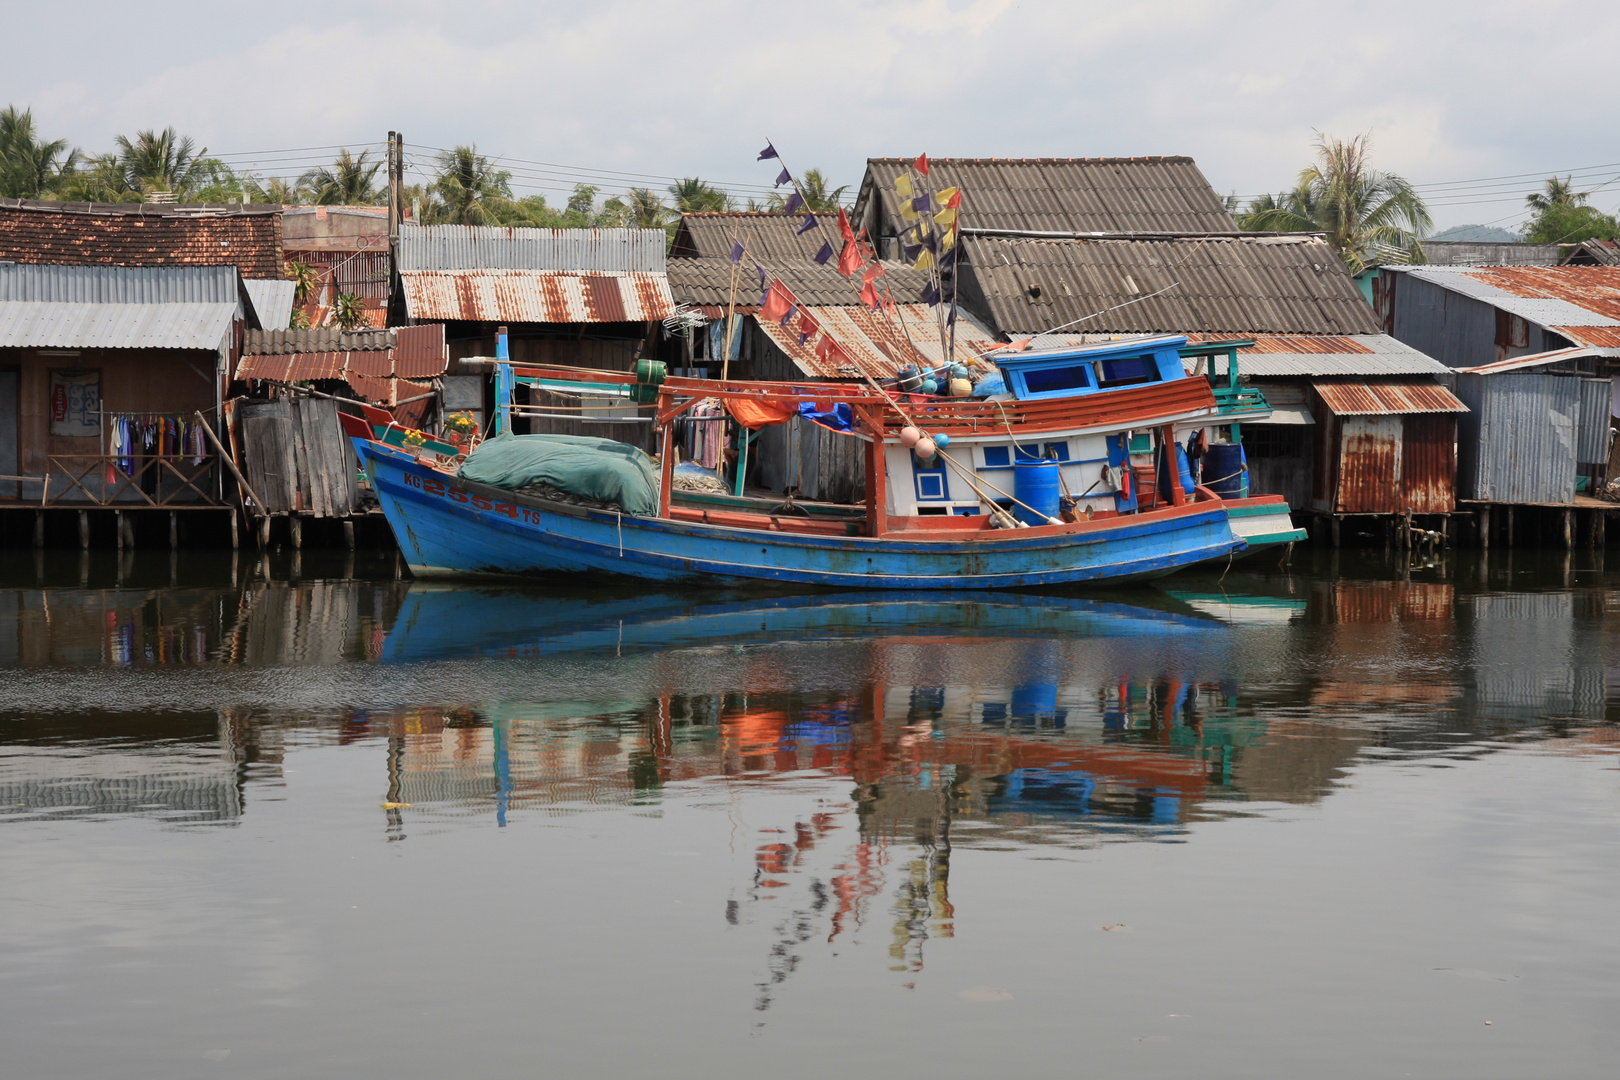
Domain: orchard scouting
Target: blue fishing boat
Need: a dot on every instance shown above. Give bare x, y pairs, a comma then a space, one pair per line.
1072, 476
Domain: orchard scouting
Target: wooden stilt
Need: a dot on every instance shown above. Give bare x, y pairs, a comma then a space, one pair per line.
1406, 531
1569, 529
295, 529
348, 535
39, 528
118, 528
1510, 526
84, 529
174, 529
264, 532
1335, 520
1600, 529
236, 538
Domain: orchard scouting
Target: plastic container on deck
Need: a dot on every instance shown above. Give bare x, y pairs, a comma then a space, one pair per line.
1223, 470
1036, 483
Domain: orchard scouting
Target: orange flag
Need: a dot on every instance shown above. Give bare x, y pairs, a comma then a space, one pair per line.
922, 164
844, 228
777, 303
850, 260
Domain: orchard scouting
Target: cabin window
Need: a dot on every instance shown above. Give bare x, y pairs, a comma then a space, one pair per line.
1127, 371
1057, 379
1141, 442
997, 457
931, 485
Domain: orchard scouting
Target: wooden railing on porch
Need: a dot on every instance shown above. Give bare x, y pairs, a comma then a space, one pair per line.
176, 481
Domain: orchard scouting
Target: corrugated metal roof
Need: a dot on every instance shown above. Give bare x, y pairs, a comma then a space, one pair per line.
1563, 296
119, 284
30, 324
767, 236
707, 283
537, 296
1233, 285
1295, 355
1517, 442
316, 339
1485, 253
1387, 399
1535, 360
476, 247
272, 301
877, 348
1115, 195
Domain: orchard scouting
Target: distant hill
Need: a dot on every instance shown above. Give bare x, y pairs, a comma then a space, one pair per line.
1477, 234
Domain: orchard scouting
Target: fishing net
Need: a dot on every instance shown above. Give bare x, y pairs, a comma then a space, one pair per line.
593, 471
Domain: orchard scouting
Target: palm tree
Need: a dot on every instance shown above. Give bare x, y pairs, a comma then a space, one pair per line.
30, 167
693, 196
645, 210
813, 186
99, 178
159, 162
274, 190
471, 190
1558, 193
349, 182
1368, 215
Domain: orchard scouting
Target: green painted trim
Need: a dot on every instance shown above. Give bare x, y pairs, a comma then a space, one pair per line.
1292, 536
1256, 511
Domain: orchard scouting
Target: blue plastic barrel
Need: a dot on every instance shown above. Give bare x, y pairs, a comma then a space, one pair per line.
1223, 470
1035, 484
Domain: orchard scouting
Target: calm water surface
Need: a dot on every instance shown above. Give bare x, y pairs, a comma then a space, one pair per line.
290, 819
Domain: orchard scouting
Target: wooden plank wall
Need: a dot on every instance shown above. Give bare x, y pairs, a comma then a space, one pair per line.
265, 431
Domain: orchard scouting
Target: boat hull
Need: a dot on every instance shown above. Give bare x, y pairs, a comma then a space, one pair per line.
448, 526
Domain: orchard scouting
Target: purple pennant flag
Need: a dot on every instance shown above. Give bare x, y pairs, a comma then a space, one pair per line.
947, 260
782, 178
803, 337
762, 280
930, 295
768, 152
736, 251
950, 320
792, 311
794, 202
809, 223
824, 254
922, 203
930, 241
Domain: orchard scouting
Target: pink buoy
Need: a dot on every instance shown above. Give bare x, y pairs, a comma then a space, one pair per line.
925, 448
909, 436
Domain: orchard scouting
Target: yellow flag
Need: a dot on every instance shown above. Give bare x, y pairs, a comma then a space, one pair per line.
925, 260
906, 211
946, 218
902, 186
947, 241
944, 196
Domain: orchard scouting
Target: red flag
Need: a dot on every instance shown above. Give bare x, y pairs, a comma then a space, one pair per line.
844, 229
871, 274
807, 324
850, 260
869, 294
826, 347
922, 164
777, 303
954, 201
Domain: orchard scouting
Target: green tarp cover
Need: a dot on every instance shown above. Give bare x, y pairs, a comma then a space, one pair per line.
578, 464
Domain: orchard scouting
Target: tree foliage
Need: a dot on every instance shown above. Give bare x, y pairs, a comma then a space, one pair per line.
1369, 216
30, 167
349, 181
817, 196
1562, 216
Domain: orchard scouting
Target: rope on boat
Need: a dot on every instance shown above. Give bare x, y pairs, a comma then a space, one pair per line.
620, 515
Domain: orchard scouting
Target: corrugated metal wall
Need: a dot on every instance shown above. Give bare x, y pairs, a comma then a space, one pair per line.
1456, 330
1429, 463
1592, 433
1517, 441
1369, 465
471, 247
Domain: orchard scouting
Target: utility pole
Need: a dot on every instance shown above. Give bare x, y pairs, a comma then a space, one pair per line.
396, 208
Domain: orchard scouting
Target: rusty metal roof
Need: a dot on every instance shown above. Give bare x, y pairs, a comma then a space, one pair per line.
1581, 303
1113, 195
1387, 399
1535, 360
537, 296
1231, 285
877, 348
374, 363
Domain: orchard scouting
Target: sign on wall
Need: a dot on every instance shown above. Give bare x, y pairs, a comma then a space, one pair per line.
76, 403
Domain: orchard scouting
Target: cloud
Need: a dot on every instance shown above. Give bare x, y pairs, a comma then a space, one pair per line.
652, 88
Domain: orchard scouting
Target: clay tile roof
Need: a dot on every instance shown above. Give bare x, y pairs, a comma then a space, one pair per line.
142, 234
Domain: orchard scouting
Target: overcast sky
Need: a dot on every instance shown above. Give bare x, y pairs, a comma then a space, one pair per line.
1456, 91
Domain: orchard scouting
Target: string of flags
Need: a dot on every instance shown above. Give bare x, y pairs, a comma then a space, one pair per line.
927, 242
